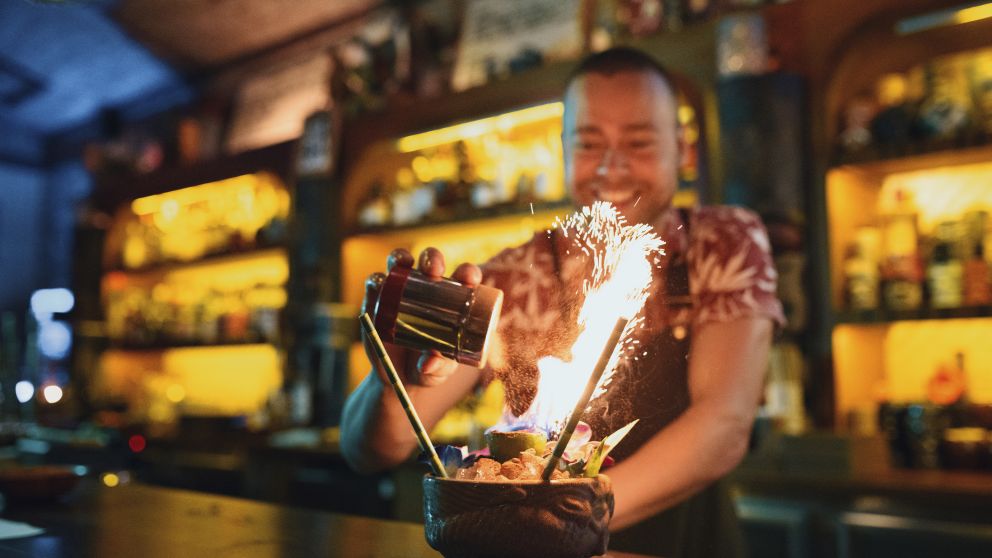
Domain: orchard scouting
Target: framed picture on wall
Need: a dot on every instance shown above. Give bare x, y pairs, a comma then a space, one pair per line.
499, 38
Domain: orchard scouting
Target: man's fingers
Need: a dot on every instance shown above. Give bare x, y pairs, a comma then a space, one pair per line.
434, 369
373, 285
400, 257
431, 262
468, 273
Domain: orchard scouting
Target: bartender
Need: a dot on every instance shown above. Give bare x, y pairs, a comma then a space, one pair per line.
709, 324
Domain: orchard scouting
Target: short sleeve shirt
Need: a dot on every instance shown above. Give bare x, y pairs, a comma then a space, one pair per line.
730, 270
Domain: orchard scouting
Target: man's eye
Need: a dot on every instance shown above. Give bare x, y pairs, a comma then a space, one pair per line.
588, 145
640, 144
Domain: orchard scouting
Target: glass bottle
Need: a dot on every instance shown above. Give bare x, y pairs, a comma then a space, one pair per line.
901, 268
860, 279
944, 275
976, 288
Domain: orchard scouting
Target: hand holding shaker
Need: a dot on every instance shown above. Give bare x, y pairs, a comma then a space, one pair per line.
418, 312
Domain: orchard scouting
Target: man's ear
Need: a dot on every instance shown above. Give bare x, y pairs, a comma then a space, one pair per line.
681, 142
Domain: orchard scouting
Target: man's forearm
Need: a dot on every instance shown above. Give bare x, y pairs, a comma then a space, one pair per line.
701, 446
727, 366
373, 436
375, 431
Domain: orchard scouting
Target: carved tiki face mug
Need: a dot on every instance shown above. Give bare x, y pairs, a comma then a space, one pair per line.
566, 518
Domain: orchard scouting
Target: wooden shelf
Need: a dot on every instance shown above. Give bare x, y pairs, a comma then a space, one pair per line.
111, 191
887, 316
474, 217
220, 258
154, 347
159, 347
920, 161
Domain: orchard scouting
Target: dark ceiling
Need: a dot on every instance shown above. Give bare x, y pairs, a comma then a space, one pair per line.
63, 61
194, 35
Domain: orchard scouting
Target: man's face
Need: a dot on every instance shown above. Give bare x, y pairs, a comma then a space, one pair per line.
620, 142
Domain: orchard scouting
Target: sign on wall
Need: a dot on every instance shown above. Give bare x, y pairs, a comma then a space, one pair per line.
498, 35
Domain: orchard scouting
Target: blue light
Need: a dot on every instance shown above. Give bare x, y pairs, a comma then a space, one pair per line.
45, 302
54, 339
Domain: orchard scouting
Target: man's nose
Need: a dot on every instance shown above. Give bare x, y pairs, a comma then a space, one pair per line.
614, 162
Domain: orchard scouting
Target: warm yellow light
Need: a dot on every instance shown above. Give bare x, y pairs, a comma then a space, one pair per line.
268, 267
170, 201
915, 349
974, 13
223, 380
894, 362
476, 128
941, 193
111, 480
943, 18
175, 393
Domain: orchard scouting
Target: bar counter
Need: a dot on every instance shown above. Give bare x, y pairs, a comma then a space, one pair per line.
153, 522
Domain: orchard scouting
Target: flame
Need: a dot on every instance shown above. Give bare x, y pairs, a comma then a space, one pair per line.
622, 257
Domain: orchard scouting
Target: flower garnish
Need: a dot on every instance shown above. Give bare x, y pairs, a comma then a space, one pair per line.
599, 455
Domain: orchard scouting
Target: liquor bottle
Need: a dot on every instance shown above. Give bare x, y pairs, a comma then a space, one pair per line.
976, 288
944, 276
860, 279
891, 126
901, 268
947, 112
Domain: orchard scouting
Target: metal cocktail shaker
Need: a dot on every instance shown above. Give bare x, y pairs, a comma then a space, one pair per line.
418, 312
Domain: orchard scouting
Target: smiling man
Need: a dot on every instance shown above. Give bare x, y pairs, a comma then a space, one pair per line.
708, 324
620, 137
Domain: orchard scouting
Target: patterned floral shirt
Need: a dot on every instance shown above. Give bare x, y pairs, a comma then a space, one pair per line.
730, 270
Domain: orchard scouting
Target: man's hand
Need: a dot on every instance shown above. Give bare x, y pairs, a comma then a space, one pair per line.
426, 368
375, 432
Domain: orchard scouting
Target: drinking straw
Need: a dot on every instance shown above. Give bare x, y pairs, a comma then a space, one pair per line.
411, 413
580, 405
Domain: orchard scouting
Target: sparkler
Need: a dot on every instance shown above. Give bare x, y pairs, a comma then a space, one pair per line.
620, 258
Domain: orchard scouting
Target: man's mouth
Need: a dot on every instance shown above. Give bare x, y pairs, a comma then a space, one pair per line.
617, 197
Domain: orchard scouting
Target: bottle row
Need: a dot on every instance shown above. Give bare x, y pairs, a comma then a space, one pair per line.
170, 315
944, 103
932, 436
891, 265
470, 176
233, 215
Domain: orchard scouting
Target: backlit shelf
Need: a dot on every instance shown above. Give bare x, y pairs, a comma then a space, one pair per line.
888, 316
470, 217
149, 347
217, 258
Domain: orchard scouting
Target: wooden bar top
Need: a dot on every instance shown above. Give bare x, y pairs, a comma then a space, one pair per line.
153, 522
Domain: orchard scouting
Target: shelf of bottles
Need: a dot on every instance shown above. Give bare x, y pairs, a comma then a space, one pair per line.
912, 244
504, 164
470, 190
235, 215
944, 103
192, 293
911, 253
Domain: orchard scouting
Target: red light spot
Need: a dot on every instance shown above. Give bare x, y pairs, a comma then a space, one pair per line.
136, 443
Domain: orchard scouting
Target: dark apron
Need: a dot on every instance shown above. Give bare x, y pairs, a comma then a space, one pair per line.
655, 390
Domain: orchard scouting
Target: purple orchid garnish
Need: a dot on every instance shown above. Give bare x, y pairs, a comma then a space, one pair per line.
452, 457
575, 451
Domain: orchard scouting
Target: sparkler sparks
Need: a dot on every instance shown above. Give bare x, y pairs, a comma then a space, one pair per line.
618, 282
